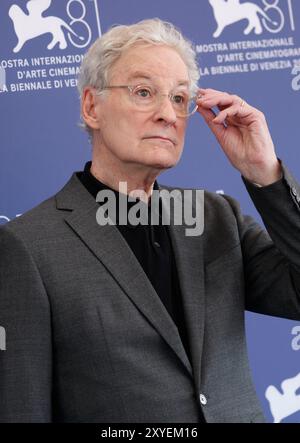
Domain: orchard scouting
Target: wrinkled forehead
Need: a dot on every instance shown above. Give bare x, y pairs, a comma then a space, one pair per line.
161, 65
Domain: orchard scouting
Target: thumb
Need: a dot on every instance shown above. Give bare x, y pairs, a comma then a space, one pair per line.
217, 128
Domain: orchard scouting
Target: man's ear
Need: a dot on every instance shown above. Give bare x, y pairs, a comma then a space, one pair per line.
88, 108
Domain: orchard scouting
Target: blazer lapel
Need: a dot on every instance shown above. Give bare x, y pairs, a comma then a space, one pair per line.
188, 252
109, 246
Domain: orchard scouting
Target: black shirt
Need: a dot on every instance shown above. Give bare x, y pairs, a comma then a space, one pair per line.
152, 246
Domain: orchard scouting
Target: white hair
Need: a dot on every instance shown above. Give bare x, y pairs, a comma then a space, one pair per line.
105, 51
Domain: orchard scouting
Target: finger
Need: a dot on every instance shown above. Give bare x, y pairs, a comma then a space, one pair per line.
219, 100
209, 117
210, 91
215, 102
208, 114
235, 111
226, 114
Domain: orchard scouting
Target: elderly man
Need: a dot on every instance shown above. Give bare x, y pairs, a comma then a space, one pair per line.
121, 323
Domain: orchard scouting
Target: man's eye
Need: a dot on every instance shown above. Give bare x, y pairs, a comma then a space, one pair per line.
179, 99
143, 92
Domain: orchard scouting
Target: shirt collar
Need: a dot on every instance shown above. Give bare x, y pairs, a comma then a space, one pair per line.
93, 185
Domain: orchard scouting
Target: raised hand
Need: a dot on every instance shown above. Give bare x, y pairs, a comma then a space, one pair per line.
242, 133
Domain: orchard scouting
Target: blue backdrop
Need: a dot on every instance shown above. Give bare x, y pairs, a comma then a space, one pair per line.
248, 48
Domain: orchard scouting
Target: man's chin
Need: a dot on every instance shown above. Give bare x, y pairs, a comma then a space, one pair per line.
165, 155
161, 157
163, 165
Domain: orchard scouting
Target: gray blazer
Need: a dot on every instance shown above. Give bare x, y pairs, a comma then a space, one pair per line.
89, 340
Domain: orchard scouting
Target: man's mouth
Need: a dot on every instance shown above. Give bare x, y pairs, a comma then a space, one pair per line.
159, 137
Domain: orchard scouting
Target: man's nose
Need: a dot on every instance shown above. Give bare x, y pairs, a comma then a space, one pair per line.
165, 109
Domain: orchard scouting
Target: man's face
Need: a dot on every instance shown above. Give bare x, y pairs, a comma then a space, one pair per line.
151, 139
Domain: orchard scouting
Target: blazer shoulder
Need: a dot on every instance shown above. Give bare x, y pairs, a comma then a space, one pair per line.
46, 221
36, 222
36, 215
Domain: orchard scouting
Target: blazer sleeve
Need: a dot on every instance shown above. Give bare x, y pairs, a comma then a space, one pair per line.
26, 363
272, 257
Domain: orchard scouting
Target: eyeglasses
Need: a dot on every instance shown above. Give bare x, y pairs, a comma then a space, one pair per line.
147, 98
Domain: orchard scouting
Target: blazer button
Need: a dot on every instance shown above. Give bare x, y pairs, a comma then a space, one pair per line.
203, 399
